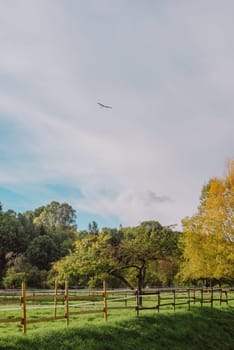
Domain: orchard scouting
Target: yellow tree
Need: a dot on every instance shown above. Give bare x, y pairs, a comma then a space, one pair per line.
208, 236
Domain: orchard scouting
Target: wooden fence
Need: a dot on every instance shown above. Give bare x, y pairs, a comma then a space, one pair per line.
63, 304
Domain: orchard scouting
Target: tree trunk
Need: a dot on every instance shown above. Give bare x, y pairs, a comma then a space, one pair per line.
141, 280
121, 278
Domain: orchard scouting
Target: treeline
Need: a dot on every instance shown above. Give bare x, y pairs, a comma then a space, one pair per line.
32, 241
43, 245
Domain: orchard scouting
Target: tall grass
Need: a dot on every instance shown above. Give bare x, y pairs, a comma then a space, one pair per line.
201, 328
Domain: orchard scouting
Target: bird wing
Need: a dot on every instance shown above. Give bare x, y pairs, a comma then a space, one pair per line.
104, 106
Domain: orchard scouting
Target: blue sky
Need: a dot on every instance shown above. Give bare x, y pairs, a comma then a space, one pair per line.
166, 68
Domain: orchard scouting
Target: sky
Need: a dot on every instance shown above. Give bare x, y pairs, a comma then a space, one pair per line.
167, 70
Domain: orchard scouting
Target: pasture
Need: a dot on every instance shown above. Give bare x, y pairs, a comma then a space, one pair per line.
110, 319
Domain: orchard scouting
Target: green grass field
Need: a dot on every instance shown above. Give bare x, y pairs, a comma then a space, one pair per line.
200, 328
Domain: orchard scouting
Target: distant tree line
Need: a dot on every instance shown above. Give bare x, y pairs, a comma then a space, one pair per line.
32, 241
43, 245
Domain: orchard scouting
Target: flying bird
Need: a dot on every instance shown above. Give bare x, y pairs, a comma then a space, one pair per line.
103, 106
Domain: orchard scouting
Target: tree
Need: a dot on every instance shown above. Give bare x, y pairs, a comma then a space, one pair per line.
88, 261
56, 214
93, 228
147, 243
125, 255
64, 238
41, 252
208, 237
13, 279
39, 237
12, 238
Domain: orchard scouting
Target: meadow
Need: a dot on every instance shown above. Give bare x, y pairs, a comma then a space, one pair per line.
203, 327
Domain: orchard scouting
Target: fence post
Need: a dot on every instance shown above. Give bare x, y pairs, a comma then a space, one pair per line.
137, 302
105, 300
220, 296
226, 294
201, 297
174, 299
125, 301
189, 299
66, 302
211, 297
23, 301
159, 300
194, 295
55, 298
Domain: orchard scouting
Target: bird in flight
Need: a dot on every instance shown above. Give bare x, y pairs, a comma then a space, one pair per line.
103, 106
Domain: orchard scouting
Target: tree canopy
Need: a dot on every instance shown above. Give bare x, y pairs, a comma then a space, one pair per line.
208, 239
30, 242
44, 244
125, 255
56, 214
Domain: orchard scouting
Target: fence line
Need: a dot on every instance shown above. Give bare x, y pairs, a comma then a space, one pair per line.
210, 293
102, 301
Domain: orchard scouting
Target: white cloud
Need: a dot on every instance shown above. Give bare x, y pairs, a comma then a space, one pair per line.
166, 69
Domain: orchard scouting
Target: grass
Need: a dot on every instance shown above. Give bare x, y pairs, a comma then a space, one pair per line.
200, 328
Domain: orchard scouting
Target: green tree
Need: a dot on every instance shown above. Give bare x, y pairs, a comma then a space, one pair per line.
93, 228
126, 254
12, 238
56, 214
41, 252
32, 240
147, 243
64, 238
13, 279
88, 261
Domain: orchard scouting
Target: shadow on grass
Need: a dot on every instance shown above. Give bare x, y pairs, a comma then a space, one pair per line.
201, 328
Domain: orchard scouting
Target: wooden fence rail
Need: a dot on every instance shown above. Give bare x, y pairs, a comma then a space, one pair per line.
74, 302
177, 297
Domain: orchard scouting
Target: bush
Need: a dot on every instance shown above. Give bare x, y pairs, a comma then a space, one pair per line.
13, 279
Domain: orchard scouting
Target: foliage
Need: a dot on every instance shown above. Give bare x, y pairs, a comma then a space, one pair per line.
11, 237
208, 239
13, 279
41, 245
57, 214
30, 242
93, 227
126, 255
42, 251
